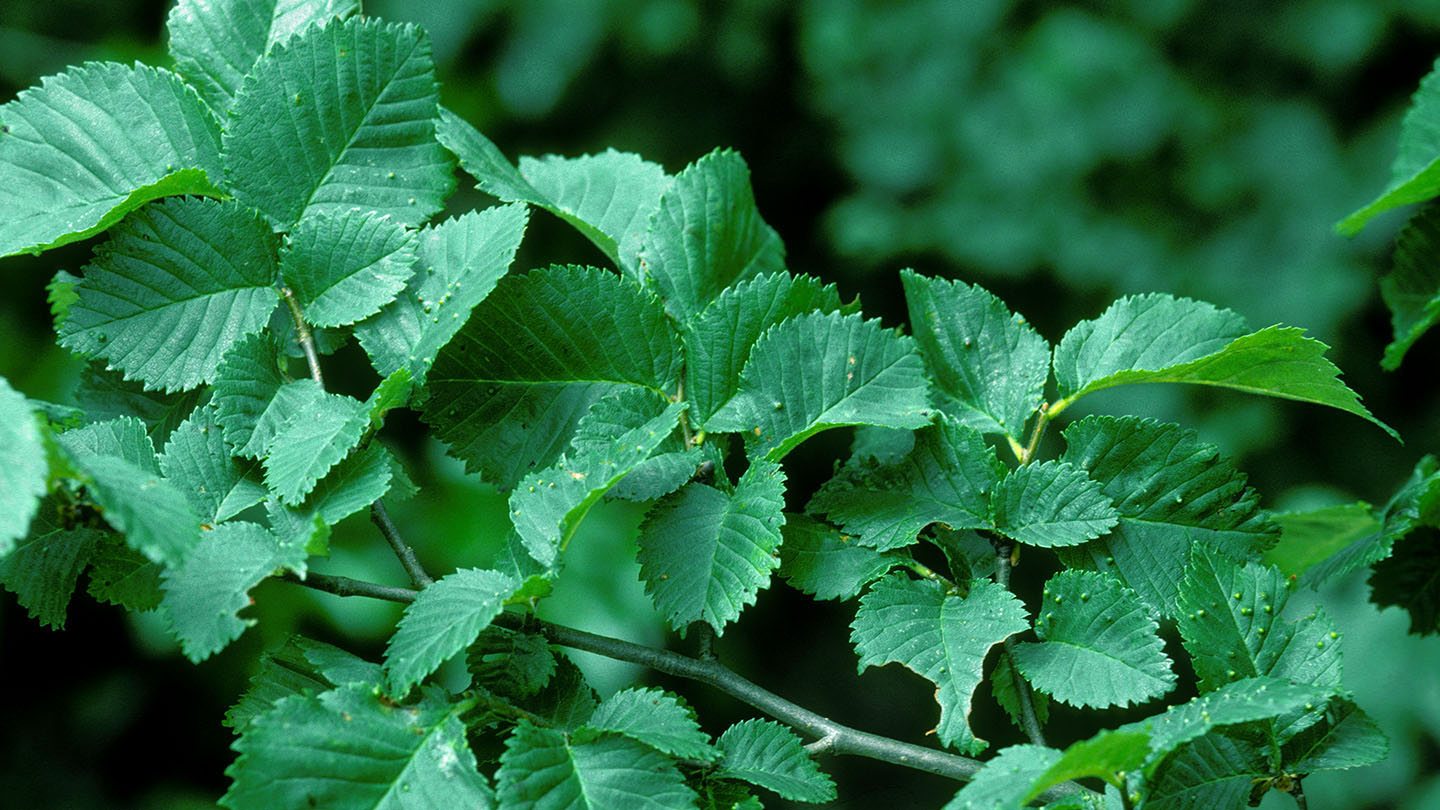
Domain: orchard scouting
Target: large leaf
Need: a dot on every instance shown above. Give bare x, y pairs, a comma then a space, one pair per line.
1416, 503
1171, 490
348, 749
1051, 504
1003, 782
204, 594
948, 477
42, 569
173, 289
1315, 535
940, 636
824, 562
656, 718
340, 116
1213, 771
155, 518
765, 753
216, 42
344, 266
1098, 646
508, 390
706, 235
1345, 738
1156, 338
199, 464
704, 554
608, 197
542, 768
1243, 701
611, 440
458, 262
23, 468
444, 618
1230, 622
824, 370
94, 143
1412, 287
1415, 174
718, 340
990, 365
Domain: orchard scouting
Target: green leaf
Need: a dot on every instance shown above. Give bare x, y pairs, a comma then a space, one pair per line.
1415, 175
1108, 756
1002, 783
1005, 684
510, 664
706, 235
95, 143
718, 340
443, 620
1405, 511
199, 464
567, 701
1308, 537
246, 383
948, 478
824, 562
1412, 287
457, 264
23, 468
353, 484
765, 753
42, 569
656, 718
1171, 490
205, 593
106, 394
155, 518
607, 197
348, 109
1213, 771
1345, 738
1229, 620
123, 438
1052, 504
614, 436
542, 768
705, 554
347, 749
173, 289
508, 391
345, 266
819, 371
1156, 338
1099, 646
317, 431
120, 575
989, 365
1242, 701
216, 42
1410, 579
940, 636
301, 666
665, 471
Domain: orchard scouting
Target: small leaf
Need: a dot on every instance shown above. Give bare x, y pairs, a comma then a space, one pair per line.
95, 143
345, 266
1002, 783
353, 484
1098, 647
106, 394
42, 569
301, 666
154, 517
458, 262
246, 383
1345, 738
1156, 338
827, 564
1109, 756
541, 768
199, 464
348, 110
1213, 771
1242, 701
216, 42
346, 749
706, 235
510, 664
991, 366
315, 433
1410, 579
1052, 504
765, 753
1308, 537
124, 438
948, 478
1405, 511
508, 391
656, 718
173, 289
819, 371
704, 554
23, 468
443, 620
204, 594
1415, 175
1412, 287
120, 575
941, 637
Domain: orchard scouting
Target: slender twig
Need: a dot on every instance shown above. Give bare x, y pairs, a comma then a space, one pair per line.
381, 518
1028, 718
1299, 793
843, 739
1041, 422
303, 335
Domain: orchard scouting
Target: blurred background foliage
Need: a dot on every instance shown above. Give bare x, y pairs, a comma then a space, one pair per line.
1057, 154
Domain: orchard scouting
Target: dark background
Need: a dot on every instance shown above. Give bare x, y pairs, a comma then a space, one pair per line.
1059, 155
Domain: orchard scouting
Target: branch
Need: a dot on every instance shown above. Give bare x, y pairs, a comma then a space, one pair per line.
381, 518
831, 736
303, 335
1003, 549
